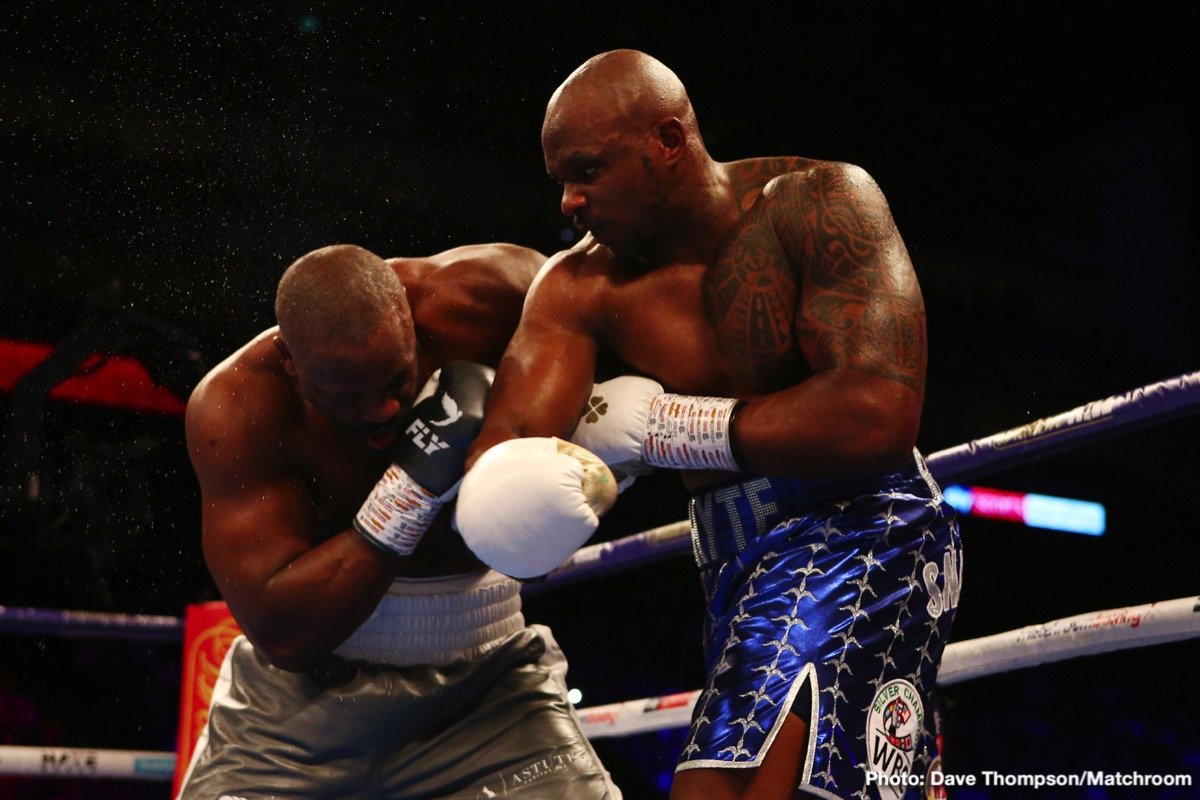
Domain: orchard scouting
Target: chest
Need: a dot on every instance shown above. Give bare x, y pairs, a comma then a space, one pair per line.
339, 474
719, 327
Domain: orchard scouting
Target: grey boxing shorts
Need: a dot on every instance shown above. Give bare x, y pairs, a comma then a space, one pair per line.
496, 723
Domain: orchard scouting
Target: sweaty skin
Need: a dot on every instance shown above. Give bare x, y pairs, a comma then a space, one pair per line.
780, 281
280, 482
805, 304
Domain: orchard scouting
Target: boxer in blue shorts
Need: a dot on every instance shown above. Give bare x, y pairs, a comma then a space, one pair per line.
773, 331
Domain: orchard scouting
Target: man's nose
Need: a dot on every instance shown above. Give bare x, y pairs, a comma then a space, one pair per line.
384, 410
572, 200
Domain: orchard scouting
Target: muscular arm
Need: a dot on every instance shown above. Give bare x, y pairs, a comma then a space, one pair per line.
860, 324
295, 596
548, 368
467, 301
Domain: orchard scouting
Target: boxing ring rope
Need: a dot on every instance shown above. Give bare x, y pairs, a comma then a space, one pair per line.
81, 762
1045, 643
91, 624
1084, 634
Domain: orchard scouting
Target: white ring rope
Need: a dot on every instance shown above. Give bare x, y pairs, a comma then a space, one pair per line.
81, 762
1058, 640
1070, 637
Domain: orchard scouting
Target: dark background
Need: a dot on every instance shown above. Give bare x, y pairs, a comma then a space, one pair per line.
161, 165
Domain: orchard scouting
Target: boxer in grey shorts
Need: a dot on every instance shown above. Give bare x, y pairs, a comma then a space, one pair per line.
381, 659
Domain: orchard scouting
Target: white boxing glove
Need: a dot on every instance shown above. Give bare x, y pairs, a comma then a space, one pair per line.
632, 425
614, 423
528, 504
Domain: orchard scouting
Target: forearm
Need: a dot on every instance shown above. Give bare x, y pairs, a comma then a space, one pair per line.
309, 606
834, 423
494, 432
544, 400
837, 422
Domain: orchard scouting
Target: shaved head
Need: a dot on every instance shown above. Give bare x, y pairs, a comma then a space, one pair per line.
621, 139
338, 294
624, 88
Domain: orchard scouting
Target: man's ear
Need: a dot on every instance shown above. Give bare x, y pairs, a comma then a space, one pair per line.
672, 138
289, 365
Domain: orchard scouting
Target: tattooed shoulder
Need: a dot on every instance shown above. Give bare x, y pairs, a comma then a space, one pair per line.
750, 175
860, 305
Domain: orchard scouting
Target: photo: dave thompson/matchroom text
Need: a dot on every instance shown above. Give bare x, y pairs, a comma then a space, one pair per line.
988, 778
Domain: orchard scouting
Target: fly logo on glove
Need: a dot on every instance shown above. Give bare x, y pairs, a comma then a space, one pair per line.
453, 413
426, 440
427, 466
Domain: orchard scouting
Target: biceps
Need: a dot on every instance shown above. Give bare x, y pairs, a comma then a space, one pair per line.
860, 303
252, 533
881, 333
861, 306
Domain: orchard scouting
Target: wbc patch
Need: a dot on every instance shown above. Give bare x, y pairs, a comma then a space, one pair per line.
894, 725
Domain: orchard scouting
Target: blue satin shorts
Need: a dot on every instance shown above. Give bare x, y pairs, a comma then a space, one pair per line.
832, 600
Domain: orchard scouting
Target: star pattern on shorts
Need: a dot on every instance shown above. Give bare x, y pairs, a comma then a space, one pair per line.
889, 518
912, 583
860, 617
827, 530
723, 664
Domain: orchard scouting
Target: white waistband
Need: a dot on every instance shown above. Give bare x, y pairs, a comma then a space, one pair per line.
438, 620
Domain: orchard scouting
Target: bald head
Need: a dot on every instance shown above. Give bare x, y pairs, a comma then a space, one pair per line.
338, 294
624, 88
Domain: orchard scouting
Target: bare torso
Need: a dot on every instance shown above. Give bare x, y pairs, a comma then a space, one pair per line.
726, 325
804, 302
723, 327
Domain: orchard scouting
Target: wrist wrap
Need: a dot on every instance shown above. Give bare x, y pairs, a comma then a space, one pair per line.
397, 512
685, 432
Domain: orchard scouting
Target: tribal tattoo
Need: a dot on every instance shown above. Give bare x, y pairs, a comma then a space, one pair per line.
753, 294
817, 273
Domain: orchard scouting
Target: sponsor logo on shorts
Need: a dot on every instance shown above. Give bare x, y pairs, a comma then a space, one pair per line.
894, 725
515, 780
945, 597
